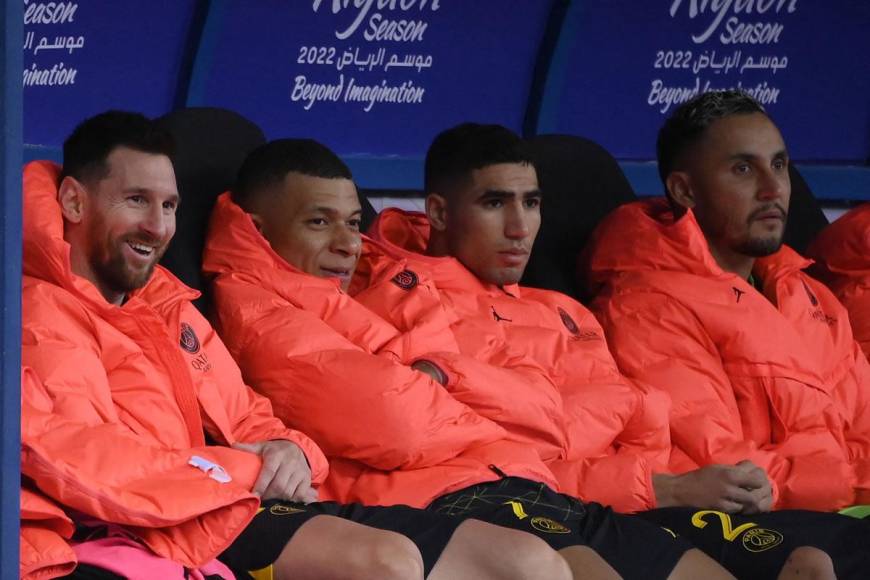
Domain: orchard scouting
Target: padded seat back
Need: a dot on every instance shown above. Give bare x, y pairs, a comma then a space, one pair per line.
805, 216
581, 183
211, 145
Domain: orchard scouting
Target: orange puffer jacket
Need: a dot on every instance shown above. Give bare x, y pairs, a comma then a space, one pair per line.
601, 436
45, 529
842, 255
772, 377
131, 393
339, 372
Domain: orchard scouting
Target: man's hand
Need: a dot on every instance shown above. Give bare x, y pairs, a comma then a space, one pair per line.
762, 494
285, 473
742, 488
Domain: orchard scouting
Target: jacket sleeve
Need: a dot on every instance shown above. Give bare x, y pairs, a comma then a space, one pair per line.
854, 395
45, 529
249, 414
657, 341
510, 390
78, 450
619, 438
355, 404
498, 382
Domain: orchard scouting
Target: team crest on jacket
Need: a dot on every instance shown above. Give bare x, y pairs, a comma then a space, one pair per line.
568, 321
189, 341
406, 279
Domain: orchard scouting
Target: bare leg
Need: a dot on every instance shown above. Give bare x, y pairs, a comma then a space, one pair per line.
330, 548
585, 563
808, 563
696, 564
488, 552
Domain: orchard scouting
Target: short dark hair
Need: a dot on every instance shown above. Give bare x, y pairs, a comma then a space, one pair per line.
269, 164
690, 120
456, 152
85, 151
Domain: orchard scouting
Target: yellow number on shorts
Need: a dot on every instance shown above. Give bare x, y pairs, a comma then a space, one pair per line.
728, 530
518, 509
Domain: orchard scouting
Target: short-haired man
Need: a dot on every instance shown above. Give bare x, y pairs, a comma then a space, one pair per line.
145, 431
281, 248
482, 218
842, 255
700, 299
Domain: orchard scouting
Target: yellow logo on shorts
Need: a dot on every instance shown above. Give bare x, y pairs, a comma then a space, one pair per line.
549, 526
284, 510
759, 539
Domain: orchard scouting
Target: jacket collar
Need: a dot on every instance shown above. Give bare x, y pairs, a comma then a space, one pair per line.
405, 235
645, 236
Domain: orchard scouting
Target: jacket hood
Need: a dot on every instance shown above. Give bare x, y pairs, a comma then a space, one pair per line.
644, 236
844, 246
405, 235
234, 246
236, 251
47, 254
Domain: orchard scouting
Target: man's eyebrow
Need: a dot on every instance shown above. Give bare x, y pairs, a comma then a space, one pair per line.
331, 211
175, 197
496, 194
745, 156
533, 193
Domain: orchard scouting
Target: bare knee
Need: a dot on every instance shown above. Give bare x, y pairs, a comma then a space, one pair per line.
485, 551
586, 563
386, 555
696, 564
534, 559
330, 548
807, 563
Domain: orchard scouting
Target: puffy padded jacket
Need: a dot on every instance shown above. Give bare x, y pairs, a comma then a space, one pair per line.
771, 376
131, 392
339, 372
45, 529
842, 255
601, 436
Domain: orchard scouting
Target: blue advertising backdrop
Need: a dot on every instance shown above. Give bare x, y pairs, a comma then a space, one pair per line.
373, 77
376, 79
622, 66
81, 58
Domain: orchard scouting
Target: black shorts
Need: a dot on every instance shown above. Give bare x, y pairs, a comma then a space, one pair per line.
260, 544
757, 546
633, 547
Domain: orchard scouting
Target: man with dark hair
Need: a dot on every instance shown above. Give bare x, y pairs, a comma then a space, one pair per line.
700, 299
345, 375
607, 439
145, 432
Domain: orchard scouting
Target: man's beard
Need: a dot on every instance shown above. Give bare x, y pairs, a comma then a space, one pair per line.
114, 273
760, 247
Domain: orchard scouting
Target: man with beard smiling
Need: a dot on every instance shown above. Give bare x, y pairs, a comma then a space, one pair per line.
700, 298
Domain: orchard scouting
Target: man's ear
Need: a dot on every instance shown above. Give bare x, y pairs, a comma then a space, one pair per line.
679, 187
72, 197
436, 211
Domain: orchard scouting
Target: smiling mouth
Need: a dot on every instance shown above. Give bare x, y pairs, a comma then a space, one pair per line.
143, 250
